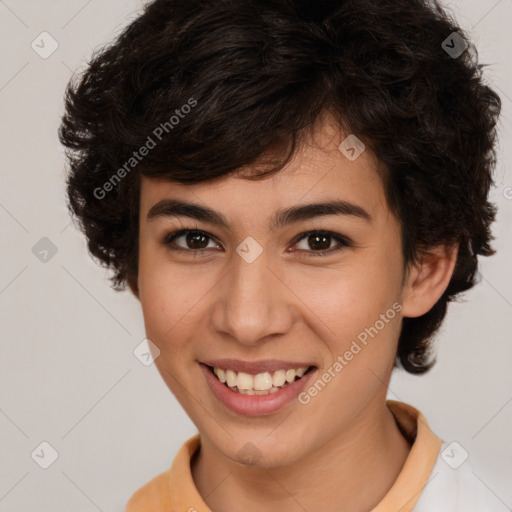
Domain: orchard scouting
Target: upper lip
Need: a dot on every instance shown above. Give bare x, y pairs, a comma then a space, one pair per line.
255, 367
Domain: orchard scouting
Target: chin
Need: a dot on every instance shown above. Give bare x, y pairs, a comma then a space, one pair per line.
262, 453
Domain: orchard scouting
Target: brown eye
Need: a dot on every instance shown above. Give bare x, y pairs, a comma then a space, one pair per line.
193, 240
318, 243
196, 240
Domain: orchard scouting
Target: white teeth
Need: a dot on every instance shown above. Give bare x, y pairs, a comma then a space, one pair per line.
230, 378
260, 384
244, 381
279, 378
221, 374
262, 381
290, 375
300, 372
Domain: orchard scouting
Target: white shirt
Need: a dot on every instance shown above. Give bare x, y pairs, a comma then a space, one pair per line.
456, 488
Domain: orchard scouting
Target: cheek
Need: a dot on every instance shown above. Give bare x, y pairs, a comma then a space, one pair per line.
351, 298
173, 298
357, 313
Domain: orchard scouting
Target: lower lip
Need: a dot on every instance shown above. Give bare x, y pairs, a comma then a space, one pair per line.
254, 405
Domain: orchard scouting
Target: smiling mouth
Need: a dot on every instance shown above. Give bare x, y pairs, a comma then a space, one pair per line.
261, 383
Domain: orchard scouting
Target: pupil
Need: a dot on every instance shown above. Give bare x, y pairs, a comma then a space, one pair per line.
194, 240
319, 246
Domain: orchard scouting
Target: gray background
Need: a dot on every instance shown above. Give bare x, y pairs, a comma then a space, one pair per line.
68, 373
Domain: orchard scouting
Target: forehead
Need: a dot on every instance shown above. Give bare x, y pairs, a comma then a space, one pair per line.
318, 171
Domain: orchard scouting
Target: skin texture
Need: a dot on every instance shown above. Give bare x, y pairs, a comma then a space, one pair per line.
342, 451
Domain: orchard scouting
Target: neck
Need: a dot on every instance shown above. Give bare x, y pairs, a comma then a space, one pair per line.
351, 472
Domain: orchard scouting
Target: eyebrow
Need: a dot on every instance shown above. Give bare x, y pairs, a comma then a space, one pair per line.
283, 217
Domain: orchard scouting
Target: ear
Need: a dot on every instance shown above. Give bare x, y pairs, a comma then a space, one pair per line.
427, 279
132, 281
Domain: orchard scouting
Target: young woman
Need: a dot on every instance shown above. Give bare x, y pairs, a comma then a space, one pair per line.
294, 191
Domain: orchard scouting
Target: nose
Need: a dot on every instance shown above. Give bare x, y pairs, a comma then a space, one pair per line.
252, 302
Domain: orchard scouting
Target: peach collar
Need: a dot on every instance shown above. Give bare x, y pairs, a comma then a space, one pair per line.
174, 490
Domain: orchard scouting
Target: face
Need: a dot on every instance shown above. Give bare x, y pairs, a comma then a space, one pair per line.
264, 293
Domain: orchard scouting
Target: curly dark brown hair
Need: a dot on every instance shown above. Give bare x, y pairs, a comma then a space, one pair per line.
219, 83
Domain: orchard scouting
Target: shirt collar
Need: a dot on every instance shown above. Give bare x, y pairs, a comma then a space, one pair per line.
415, 473
175, 489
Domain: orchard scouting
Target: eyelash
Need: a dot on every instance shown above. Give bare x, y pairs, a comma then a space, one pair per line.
343, 241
